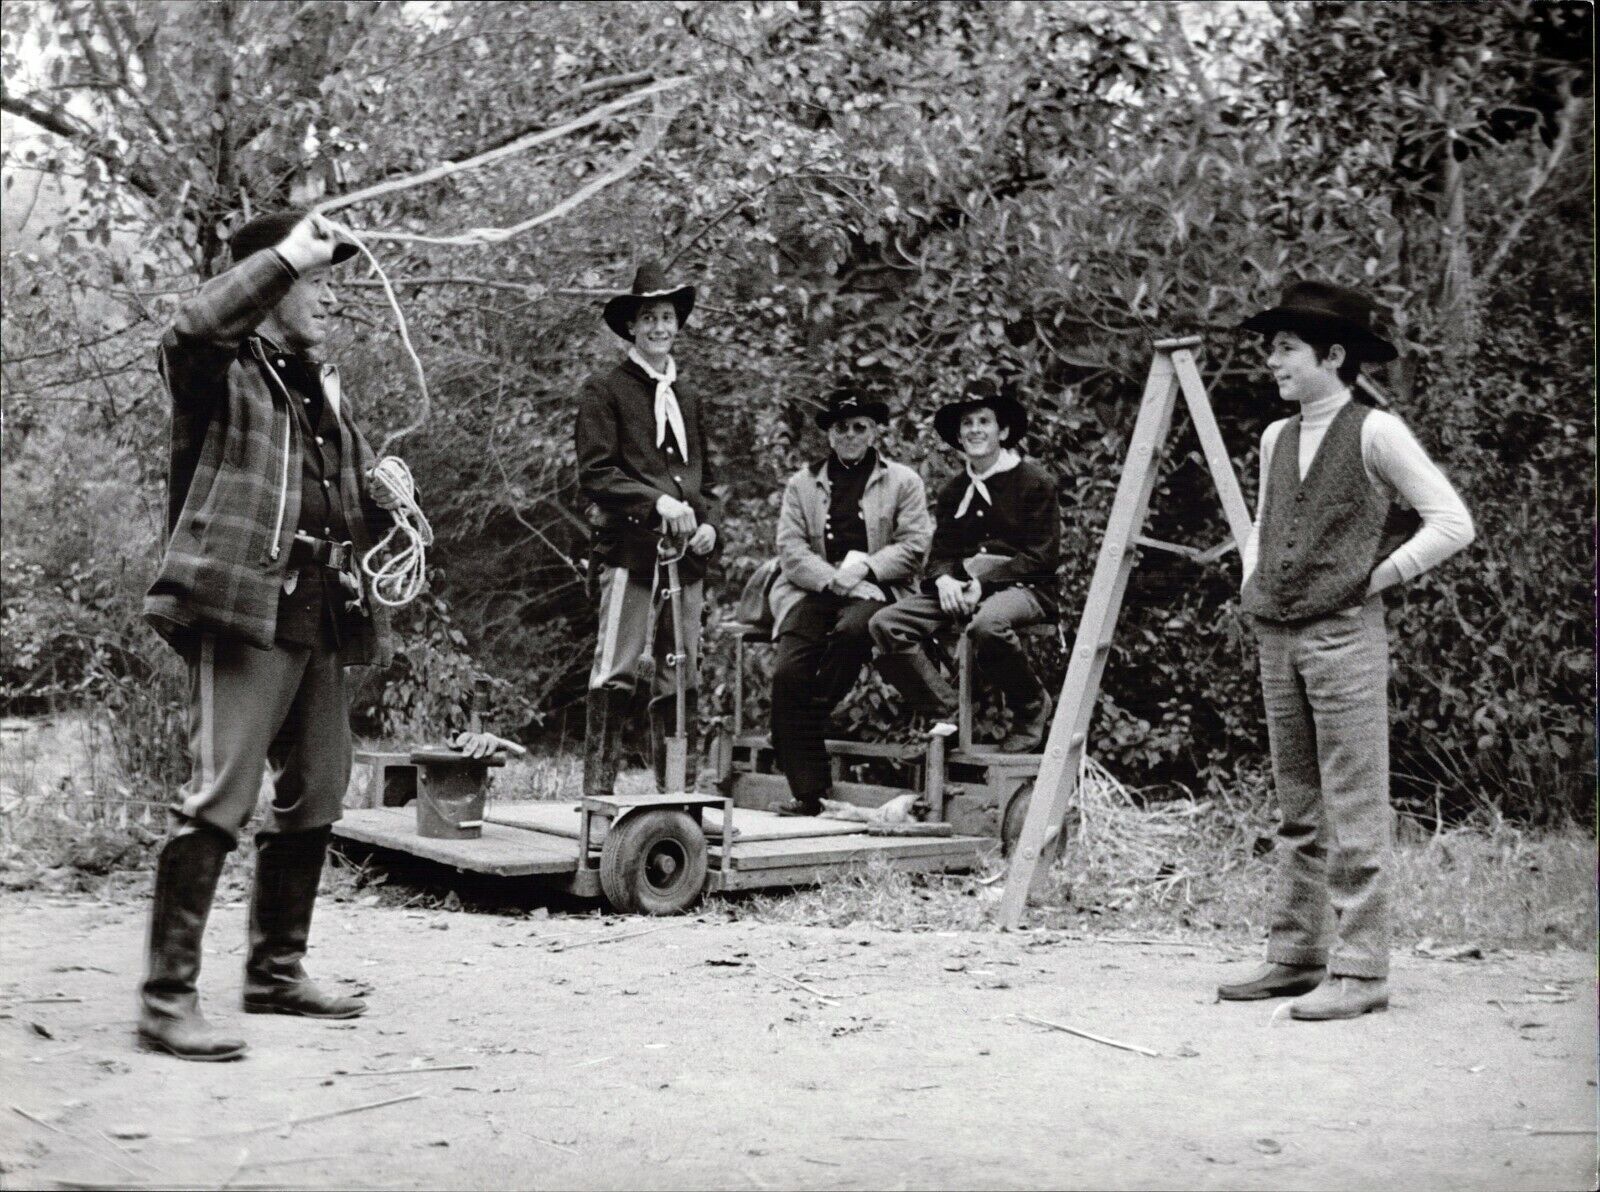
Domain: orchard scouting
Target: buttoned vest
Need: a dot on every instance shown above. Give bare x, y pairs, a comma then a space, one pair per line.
1321, 536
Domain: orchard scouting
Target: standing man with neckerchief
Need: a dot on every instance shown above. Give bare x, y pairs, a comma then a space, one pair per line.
643, 465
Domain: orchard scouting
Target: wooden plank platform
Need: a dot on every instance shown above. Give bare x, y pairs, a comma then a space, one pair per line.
504, 852
954, 852
561, 819
810, 875
913, 751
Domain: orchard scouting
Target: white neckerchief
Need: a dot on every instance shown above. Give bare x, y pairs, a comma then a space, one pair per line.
1007, 460
667, 411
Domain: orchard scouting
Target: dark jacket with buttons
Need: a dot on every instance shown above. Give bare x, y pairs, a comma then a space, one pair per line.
1022, 523
622, 472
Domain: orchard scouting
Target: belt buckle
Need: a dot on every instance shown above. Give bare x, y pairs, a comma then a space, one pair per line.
339, 554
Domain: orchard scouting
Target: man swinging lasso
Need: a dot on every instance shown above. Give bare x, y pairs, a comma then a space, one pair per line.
270, 504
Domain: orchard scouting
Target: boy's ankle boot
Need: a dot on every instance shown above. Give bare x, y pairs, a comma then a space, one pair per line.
169, 1012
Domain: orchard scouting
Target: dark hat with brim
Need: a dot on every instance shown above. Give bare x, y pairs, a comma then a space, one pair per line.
848, 403
1328, 311
268, 231
649, 284
1001, 398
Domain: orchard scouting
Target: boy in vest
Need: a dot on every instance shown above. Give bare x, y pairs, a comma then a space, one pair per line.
996, 547
642, 464
853, 528
1350, 504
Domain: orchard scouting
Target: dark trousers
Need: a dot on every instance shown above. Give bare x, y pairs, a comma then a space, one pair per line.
1000, 656
822, 646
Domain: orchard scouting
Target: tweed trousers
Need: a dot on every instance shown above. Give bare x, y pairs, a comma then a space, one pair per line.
1325, 684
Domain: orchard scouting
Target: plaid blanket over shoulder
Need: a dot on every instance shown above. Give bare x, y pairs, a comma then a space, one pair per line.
233, 480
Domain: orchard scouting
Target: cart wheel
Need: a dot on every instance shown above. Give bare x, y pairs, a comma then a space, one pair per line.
653, 863
1016, 815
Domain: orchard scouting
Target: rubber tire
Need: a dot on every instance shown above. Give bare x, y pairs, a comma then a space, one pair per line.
1015, 815
633, 855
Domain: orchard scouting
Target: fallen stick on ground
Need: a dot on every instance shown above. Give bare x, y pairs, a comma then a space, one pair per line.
17, 1109
46, 1001
550, 1143
1537, 1131
558, 946
290, 1123
69, 1136
820, 996
411, 1071
1072, 1030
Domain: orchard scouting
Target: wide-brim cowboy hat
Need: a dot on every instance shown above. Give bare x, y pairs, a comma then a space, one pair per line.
847, 403
1344, 315
1000, 398
649, 283
268, 231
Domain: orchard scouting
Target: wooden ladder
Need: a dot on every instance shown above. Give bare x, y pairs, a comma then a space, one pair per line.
1172, 369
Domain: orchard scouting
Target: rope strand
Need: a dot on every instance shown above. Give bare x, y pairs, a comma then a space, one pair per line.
400, 579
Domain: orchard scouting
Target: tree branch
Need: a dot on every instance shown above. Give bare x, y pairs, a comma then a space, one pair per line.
1538, 179
55, 118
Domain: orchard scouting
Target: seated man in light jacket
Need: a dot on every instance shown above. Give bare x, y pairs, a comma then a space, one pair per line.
854, 528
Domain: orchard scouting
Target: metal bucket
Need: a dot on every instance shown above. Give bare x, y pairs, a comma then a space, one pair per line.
450, 799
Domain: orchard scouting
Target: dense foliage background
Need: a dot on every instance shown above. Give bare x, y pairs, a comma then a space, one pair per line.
902, 194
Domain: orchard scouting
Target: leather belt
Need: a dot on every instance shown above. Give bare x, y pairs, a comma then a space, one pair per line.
306, 549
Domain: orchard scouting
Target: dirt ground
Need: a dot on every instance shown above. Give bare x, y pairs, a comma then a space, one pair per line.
747, 1055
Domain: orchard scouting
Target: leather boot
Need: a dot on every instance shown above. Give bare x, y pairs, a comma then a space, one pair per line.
602, 741
913, 674
1342, 997
288, 866
662, 712
1029, 724
1272, 980
186, 881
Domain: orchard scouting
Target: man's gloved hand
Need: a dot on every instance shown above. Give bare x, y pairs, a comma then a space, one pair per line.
677, 517
309, 245
703, 539
384, 494
476, 745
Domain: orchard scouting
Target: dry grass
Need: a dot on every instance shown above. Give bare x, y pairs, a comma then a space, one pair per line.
1176, 867
1200, 869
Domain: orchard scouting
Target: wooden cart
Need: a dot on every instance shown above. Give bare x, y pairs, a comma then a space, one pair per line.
977, 791
649, 854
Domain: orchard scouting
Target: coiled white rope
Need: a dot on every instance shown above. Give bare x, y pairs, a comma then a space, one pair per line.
399, 579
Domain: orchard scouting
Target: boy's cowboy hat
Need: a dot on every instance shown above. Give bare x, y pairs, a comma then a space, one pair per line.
649, 283
847, 403
268, 231
997, 396
1348, 316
